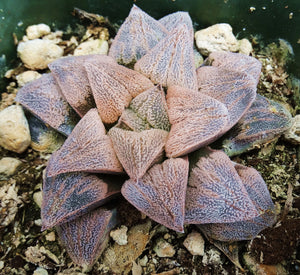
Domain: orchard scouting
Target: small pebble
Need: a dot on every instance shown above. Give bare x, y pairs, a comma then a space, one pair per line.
38, 222
218, 37
37, 31
26, 77
40, 271
245, 46
119, 235
14, 129
38, 198
37, 54
194, 243
143, 261
164, 249
1, 264
50, 237
9, 166
97, 46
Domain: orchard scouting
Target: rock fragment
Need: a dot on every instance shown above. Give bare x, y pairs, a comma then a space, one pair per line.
97, 46
119, 235
14, 130
245, 46
194, 243
37, 31
38, 198
164, 249
218, 37
9, 166
36, 54
26, 77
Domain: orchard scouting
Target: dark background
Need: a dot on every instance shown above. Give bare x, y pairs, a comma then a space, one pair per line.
270, 19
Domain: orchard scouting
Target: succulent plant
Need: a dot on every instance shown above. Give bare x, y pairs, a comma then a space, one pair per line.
160, 119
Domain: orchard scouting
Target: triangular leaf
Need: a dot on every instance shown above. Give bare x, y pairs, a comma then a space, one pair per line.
171, 61
215, 192
137, 35
43, 98
71, 195
196, 119
137, 151
87, 149
86, 237
160, 193
113, 88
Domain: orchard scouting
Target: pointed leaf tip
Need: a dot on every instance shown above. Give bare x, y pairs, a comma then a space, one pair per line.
138, 34
87, 149
215, 192
196, 120
68, 196
86, 237
160, 193
171, 61
137, 151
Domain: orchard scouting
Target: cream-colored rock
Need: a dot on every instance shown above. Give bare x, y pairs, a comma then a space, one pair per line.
14, 129
119, 235
38, 198
9, 203
38, 53
26, 77
55, 37
164, 249
245, 46
194, 243
40, 271
293, 134
9, 166
218, 37
37, 31
96, 46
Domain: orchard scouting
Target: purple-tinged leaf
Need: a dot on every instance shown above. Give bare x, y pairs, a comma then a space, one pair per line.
264, 120
171, 61
236, 90
137, 35
72, 78
43, 98
176, 19
86, 237
247, 229
160, 193
87, 149
236, 62
215, 192
68, 196
196, 120
113, 87
137, 151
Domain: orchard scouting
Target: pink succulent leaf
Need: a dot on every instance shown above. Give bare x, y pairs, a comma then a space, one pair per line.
236, 90
87, 236
72, 78
137, 151
87, 149
236, 62
171, 61
43, 98
248, 229
113, 87
176, 19
196, 120
265, 120
215, 192
68, 196
138, 34
160, 193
